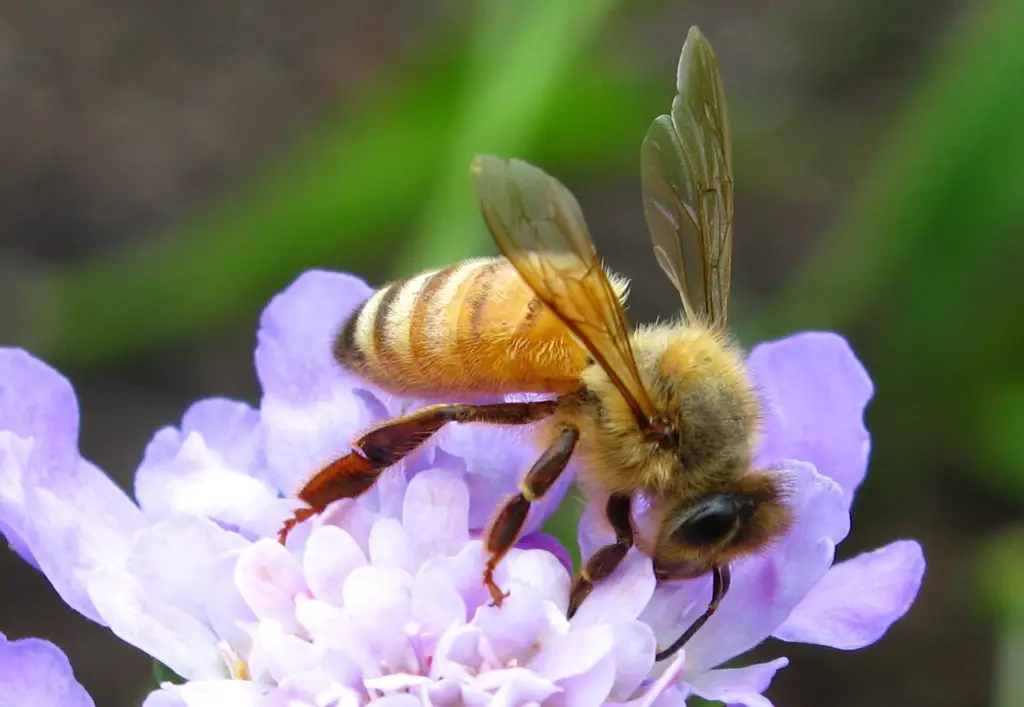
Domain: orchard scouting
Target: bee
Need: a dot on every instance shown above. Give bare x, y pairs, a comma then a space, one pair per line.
667, 410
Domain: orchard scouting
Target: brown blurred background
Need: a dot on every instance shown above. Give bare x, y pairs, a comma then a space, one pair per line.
144, 146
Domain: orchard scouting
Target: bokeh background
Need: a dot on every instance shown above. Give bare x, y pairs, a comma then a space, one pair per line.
165, 168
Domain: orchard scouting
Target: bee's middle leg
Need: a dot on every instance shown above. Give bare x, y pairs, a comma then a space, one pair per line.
508, 522
603, 562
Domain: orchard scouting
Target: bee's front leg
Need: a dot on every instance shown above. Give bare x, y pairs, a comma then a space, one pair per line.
508, 522
721, 578
603, 562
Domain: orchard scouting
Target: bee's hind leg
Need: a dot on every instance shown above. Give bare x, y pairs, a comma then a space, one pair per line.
603, 562
388, 443
508, 522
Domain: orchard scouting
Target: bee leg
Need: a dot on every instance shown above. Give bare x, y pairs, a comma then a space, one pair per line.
355, 473
721, 578
508, 522
603, 562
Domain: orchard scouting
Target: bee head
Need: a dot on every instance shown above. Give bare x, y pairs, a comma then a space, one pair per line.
718, 527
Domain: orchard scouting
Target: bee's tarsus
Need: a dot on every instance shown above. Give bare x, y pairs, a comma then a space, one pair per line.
607, 559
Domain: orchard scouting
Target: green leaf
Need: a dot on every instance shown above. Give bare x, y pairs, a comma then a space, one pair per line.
162, 674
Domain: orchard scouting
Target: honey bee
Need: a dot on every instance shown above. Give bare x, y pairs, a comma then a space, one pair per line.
667, 410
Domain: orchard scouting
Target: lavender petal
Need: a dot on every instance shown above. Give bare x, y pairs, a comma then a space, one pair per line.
738, 686
815, 391
36, 673
857, 600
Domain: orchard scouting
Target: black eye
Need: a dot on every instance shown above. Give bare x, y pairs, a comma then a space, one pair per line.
710, 524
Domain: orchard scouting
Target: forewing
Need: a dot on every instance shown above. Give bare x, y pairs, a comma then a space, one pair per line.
539, 227
686, 163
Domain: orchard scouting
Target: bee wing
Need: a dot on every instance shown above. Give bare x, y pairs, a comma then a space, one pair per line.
686, 163
539, 227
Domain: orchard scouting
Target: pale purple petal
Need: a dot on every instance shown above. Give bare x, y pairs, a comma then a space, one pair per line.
738, 686
269, 578
378, 600
174, 561
227, 611
396, 701
516, 686
276, 654
765, 588
622, 596
229, 426
389, 545
37, 403
542, 572
297, 329
815, 391
311, 408
574, 653
331, 555
69, 525
214, 466
436, 603
211, 693
594, 529
56, 508
538, 588
196, 481
589, 688
435, 515
856, 601
36, 673
174, 637
633, 649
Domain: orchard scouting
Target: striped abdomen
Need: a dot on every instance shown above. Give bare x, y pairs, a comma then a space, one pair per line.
471, 328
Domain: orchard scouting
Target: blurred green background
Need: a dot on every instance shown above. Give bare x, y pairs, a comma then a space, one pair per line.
165, 168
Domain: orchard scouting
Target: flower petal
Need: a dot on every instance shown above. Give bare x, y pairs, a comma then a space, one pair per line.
589, 688
311, 407
738, 686
69, 525
213, 467
435, 515
269, 578
58, 509
574, 653
330, 556
37, 403
174, 637
174, 560
856, 601
379, 603
211, 693
633, 648
36, 673
622, 596
815, 391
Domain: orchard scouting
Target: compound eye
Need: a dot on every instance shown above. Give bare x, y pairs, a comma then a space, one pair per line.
709, 525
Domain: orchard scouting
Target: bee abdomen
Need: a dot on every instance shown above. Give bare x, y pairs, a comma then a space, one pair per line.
473, 327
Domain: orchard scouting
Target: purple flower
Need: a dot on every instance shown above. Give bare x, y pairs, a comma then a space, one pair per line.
814, 392
36, 673
379, 599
